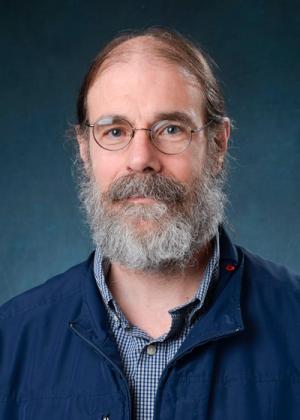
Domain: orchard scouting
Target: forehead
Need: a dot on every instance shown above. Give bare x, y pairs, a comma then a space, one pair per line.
139, 85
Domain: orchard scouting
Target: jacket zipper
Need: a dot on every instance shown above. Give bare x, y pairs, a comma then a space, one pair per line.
99, 352
167, 368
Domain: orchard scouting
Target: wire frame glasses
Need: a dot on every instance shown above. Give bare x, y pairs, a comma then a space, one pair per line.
170, 137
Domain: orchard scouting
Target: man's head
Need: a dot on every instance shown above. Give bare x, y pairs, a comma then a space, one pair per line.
152, 136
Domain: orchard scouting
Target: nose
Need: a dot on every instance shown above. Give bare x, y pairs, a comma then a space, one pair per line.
142, 154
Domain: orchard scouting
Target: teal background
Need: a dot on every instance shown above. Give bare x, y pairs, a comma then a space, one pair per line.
46, 48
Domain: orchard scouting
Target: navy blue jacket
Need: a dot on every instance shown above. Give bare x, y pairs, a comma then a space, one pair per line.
241, 360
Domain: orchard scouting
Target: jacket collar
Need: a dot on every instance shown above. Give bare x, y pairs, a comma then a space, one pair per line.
221, 315
92, 322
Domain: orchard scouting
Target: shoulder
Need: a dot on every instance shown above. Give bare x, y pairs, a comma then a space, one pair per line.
268, 273
257, 273
57, 290
270, 290
34, 329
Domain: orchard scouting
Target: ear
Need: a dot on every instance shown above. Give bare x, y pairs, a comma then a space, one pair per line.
83, 144
221, 140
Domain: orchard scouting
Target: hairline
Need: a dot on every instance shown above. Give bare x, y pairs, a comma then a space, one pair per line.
156, 51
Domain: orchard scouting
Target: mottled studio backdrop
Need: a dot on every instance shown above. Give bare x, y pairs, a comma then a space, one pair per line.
46, 47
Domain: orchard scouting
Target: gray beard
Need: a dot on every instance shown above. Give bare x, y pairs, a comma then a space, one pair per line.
161, 236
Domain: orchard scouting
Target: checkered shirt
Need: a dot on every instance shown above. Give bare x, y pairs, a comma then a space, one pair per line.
143, 357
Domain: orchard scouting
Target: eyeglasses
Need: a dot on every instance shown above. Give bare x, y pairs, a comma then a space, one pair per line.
170, 137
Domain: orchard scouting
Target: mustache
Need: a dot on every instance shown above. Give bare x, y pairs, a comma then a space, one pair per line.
156, 186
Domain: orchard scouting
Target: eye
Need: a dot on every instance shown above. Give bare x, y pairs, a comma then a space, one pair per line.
114, 132
172, 129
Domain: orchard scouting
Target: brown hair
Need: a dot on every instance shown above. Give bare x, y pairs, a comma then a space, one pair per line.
173, 47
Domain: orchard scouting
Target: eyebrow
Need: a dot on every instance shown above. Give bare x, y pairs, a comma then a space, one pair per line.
161, 116
175, 116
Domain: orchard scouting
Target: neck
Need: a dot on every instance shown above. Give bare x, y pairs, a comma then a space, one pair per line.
145, 298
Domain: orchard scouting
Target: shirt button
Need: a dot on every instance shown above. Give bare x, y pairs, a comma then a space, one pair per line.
115, 318
151, 349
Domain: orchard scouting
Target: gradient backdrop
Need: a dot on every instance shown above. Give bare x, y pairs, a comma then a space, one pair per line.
46, 47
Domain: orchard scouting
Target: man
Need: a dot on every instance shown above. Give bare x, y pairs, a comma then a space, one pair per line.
167, 319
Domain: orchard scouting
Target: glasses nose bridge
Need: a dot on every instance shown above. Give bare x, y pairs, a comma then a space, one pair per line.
149, 130
143, 129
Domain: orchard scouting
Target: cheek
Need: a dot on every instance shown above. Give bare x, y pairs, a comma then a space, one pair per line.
187, 166
106, 167
198, 158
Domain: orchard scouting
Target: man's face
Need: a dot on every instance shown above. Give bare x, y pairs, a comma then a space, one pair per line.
141, 92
